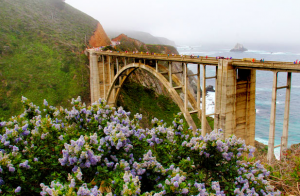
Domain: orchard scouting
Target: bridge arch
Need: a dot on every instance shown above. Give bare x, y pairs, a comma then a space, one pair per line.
127, 70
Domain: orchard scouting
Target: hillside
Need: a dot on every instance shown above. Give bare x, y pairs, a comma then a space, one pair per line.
131, 44
147, 38
41, 44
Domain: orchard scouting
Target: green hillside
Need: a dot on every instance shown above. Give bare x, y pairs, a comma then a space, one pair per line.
41, 44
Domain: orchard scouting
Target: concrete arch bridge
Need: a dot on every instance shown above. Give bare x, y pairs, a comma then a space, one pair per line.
235, 83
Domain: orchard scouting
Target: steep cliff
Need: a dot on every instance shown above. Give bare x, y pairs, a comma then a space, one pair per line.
99, 38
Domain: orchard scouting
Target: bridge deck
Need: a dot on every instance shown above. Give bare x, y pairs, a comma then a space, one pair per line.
239, 63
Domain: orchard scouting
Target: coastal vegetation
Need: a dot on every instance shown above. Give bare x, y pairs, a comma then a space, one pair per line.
41, 44
284, 173
131, 44
100, 150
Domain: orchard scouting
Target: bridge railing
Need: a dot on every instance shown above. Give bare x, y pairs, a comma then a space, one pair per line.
242, 63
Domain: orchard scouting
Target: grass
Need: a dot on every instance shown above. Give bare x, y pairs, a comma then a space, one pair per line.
41, 44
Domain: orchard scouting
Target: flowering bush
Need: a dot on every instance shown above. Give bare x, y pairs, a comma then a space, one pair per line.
98, 150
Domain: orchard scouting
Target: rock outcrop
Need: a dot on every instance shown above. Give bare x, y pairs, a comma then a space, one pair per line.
238, 48
99, 38
210, 88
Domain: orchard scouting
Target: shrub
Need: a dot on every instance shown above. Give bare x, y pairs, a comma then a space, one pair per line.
108, 48
285, 173
99, 150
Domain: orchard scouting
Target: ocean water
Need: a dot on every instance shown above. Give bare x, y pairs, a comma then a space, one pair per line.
264, 81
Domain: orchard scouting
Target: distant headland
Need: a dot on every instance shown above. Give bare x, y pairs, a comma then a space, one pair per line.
238, 48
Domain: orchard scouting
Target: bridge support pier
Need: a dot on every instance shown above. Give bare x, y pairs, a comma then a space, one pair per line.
94, 77
203, 125
284, 138
285, 131
235, 101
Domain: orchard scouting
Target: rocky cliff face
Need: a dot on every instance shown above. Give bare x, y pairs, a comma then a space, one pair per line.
99, 38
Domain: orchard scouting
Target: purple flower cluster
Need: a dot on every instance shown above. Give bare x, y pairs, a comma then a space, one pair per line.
84, 190
80, 153
24, 164
54, 188
18, 189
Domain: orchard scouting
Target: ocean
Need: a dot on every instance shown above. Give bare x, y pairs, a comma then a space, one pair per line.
264, 81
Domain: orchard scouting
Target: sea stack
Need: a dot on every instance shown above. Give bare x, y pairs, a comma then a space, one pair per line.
238, 48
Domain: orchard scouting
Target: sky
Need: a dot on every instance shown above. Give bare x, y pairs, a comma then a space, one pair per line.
201, 21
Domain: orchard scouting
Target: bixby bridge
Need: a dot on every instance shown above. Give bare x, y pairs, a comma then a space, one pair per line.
235, 83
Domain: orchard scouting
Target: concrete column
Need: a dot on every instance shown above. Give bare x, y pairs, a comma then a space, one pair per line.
170, 74
117, 64
245, 105
182, 78
251, 111
286, 114
228, 99
218, 95
186, 80
112, 75
216, 92
94, 77
198, 91
203, 121
225, 117
104, 78
109, 70
270, 156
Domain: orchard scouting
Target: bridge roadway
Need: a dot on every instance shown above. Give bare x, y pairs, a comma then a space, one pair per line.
238, 63
235, 88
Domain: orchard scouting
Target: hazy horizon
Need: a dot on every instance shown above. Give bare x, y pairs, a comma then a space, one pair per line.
202, 22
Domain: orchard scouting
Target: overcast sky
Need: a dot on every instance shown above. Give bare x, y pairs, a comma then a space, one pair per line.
201, 21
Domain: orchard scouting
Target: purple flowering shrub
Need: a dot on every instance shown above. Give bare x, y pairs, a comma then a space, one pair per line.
99, 150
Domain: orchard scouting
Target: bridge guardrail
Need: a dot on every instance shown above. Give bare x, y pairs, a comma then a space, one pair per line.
250, 63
